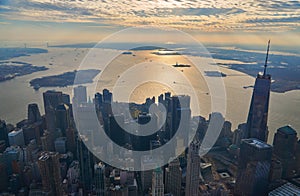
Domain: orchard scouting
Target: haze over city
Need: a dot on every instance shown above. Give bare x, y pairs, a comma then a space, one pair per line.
149, 98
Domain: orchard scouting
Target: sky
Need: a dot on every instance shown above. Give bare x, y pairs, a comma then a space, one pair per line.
209, 21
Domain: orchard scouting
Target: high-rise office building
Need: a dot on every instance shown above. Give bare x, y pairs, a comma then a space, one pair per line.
16, 138
157, 182
51, 100
80, 95
33, 131
116, 131
49, 168
253, 168
178, 118
47, 142
3, 132
143, 143
3, 174
99, 179
86, 164
33, 113
60, 145
14, 159
239, 134
107, 96
147, 163
173, 178
182, 117
63, 118
193, 173
284, 143
71, 140
65, 99
258, 113
2, 146
98, 101
298, 156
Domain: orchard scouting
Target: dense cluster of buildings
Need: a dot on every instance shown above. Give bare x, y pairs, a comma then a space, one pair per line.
47, 155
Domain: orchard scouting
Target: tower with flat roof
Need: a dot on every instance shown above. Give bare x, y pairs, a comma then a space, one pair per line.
285, 142
4, 132
51, 100
173, 178
253, 168
157, 182
33, 113
49, 167
193, 170
80, 95
63, 118
99, 179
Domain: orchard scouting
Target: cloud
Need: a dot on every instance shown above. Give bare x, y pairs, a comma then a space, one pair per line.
209, 15
274, 20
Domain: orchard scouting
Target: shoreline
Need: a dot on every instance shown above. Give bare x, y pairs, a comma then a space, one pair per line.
282, 105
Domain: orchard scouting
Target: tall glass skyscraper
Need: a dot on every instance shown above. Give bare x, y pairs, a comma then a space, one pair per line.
253, 168
258, 113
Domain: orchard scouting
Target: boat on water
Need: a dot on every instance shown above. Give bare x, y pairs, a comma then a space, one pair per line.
181, 65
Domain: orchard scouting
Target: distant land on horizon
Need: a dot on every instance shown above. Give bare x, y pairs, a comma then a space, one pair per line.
283, 66
66, 79
8, 53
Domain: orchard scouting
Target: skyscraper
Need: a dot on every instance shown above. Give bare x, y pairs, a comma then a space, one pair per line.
157, 182
116, 132
193, 170
3, 174
16, 138
143, 142
253, 168
33, 131
86, 165
3, 132
173, 176
284, 143
98, 101
99, 179
50, 172
147, 163
33, 113
178, 118
63, 118
258, 113
80, 95
107, 96
51, 100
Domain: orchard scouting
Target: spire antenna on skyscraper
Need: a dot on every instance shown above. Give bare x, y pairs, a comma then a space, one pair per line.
266, 62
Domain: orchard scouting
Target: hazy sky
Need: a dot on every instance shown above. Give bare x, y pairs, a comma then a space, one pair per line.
216, 21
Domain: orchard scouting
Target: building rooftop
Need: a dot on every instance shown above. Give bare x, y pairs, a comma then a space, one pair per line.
44, 157
288, 130
15, 132
286, 189
257, 143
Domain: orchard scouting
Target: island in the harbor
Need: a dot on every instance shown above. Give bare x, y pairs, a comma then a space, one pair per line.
12, 69
66, 79
147, 48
